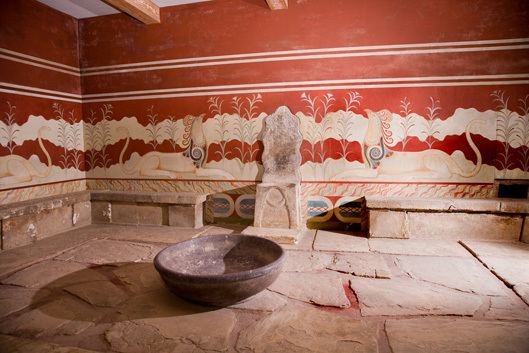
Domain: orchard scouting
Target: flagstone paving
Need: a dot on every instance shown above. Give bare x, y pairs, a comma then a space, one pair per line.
95, 290
508, 261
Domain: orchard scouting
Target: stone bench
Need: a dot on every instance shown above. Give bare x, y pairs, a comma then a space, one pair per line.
485, 219
25, 222
178, 209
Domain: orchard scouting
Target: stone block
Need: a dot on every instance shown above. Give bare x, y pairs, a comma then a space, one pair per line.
101, 212
82, 214
38, 205
433, 204
464, 226
185, 216
24, 230
514, 206
525, 230
187, 198
278, 206
388, 224
125, 213
150, 214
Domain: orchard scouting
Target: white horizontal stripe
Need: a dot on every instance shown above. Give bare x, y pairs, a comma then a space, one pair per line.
312, 88
36, 58
312, 57
39, 65
305, 83
339, 52
313, 51
37, 95
478, 80
36, 89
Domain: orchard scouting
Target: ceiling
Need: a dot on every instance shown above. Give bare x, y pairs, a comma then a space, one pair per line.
92, 8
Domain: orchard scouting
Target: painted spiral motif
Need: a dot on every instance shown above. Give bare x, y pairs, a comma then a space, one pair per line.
197, 155
375, 152
374, 155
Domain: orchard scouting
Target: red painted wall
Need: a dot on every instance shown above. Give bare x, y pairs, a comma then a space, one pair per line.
39, 66
466, 59
481, 46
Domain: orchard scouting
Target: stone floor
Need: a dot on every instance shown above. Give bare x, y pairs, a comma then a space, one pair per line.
95, 289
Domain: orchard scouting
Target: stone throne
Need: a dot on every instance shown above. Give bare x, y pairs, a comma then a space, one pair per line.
277, 204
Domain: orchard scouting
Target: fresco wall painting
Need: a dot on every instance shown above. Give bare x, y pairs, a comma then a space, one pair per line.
431, 136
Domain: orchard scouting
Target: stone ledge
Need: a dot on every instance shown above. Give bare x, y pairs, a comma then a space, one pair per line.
41, 204
515, 206
177, 198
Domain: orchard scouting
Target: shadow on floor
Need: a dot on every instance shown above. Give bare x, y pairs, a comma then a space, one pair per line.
111, 293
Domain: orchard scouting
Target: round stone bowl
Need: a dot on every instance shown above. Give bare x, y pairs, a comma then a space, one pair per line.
220, 270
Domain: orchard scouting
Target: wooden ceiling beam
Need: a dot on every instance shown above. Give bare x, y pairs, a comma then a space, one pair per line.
144, 11
277, 4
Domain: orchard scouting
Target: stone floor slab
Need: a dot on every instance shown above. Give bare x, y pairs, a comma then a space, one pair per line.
264, 301
409, 297
318, 288
13, 298
304, 329
159, 321
361, 264
19, 258
456, 335
428, 247
138, 337
12, 344
522, 290
110, 252
306, 261
150, 318
330, 241
139, 277
50, 272
508, 261
63, 316
464, 274
512, 271
497, 249
98, 293
508, 307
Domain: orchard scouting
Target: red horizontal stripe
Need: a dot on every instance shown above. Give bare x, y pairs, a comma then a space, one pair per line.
27, 75
234, 26
453, 64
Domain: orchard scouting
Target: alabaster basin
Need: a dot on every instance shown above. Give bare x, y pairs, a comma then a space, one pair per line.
220, 270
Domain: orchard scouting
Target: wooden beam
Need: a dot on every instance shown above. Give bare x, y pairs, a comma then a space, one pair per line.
145, 11
278, 4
